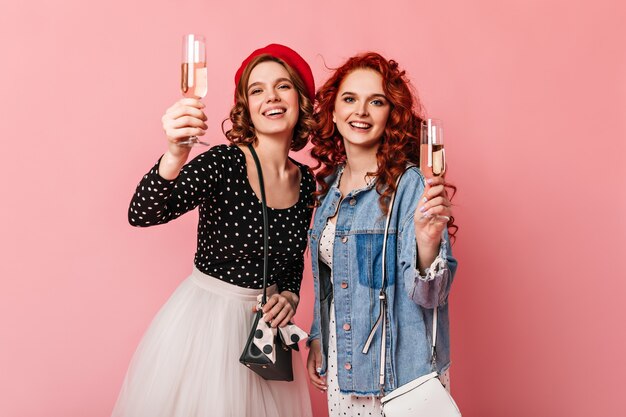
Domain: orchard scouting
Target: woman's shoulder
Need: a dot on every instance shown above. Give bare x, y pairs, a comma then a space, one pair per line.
307, 172
221, 160
227, 154
224, 150
410, 189
299, 164
412, 177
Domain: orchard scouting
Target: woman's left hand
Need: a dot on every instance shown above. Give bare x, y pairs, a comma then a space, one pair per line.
432, 212
280, 308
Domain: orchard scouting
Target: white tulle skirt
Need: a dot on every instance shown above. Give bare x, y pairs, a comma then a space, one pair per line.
187, 364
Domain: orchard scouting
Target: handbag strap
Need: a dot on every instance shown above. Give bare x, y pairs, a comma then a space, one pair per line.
382, 315
265, 222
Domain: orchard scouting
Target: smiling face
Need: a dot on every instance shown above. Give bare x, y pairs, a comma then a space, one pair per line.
361, 108
272, 99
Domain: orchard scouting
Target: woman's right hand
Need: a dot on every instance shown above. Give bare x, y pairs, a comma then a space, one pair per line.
314, 366
182, 120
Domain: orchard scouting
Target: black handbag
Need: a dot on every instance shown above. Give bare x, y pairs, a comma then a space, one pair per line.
252, 357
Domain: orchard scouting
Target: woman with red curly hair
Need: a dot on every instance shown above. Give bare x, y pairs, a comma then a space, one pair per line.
367, 136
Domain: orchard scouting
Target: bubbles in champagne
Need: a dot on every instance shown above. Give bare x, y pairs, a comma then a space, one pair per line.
194, 80
201, 80
184, 87
437, 164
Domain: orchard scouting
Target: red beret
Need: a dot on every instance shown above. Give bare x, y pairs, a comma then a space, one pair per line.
291, 57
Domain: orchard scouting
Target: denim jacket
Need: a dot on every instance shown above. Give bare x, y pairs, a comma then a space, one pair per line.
356, 282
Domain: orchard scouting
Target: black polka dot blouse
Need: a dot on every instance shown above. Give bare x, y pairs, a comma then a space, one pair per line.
230, 227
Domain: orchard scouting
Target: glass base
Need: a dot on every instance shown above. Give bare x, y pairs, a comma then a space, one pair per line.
436, 218
193, 141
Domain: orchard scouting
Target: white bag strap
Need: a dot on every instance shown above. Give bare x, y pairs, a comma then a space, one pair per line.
382, 315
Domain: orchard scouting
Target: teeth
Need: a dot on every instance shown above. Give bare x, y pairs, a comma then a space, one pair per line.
274, 111
360, 125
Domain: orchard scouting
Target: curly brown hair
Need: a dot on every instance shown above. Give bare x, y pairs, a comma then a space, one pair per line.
242, 131
400, 142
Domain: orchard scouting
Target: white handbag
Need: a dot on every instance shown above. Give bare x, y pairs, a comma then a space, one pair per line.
424, 396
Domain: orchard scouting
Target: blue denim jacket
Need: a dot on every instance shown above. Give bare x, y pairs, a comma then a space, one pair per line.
356, 282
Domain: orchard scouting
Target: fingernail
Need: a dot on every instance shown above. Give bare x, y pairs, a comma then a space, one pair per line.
425, 200
423, 209
319, 370
429, 180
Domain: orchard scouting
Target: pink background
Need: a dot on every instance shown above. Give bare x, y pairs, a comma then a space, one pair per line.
533, 93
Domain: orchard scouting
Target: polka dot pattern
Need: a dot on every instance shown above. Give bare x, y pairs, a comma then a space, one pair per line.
326, 244
230, 226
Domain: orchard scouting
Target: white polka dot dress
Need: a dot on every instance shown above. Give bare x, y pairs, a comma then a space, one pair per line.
338, 403
341, 405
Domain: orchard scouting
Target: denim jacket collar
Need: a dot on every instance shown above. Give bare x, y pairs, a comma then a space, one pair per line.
336, 178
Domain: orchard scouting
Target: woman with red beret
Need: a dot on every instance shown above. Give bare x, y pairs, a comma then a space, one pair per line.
187, 363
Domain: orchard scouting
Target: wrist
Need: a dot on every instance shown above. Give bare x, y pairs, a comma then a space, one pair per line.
292, 298
428, 243
171, 164
426, 254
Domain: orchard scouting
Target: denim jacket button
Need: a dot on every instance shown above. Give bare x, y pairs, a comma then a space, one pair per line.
346, 327
353, 201
344, 239
344, 284
348, 366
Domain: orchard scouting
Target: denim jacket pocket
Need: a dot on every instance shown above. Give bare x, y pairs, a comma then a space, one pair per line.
370, 259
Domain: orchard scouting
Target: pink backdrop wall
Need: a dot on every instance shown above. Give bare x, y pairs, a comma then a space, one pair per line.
533, 94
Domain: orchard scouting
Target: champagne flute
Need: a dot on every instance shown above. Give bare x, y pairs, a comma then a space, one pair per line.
432, 153
193, 80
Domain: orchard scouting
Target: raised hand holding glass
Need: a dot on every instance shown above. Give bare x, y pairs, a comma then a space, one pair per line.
193, 80
432, 153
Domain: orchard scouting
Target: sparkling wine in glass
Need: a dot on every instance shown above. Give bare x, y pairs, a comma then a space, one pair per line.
193, 80
432, 152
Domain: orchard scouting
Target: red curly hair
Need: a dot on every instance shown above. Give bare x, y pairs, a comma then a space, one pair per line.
400, 141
